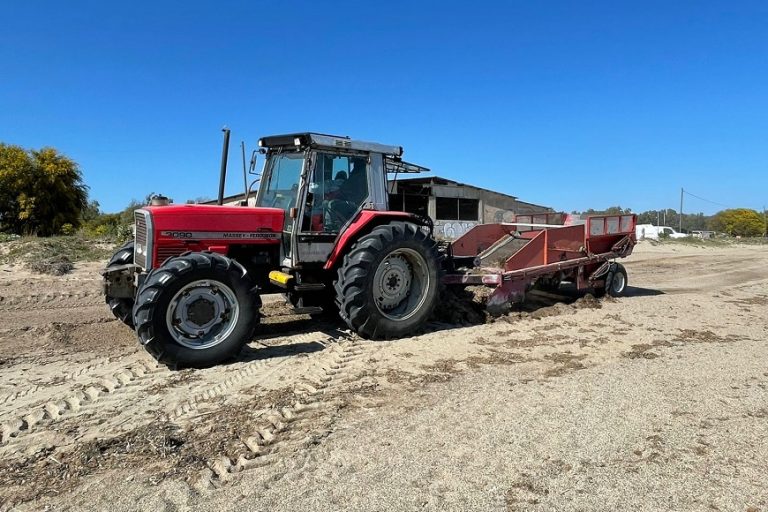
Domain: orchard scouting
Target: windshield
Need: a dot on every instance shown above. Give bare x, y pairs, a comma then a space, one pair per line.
282, 184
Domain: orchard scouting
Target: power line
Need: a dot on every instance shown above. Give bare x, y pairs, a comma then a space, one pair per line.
706, 200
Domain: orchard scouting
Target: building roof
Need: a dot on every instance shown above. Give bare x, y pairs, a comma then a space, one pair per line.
437, 180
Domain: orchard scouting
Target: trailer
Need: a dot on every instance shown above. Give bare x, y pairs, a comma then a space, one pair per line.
543, 251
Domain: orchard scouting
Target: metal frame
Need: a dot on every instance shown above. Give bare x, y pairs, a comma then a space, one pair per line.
397, 166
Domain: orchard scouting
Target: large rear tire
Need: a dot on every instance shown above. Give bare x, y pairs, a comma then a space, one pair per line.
196, 310
122, 307
389, 282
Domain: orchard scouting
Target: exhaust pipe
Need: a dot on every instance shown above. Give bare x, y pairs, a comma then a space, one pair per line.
224, 156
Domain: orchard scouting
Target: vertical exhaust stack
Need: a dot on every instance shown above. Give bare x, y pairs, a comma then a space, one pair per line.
224, 156
245, 175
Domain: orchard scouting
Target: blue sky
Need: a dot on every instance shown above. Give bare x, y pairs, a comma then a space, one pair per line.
568, 104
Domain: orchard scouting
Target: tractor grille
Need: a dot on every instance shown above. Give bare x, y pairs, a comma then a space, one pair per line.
168, 249
141, 246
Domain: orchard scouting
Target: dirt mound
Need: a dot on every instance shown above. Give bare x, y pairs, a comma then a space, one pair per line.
462, 306
55, 265
158, 445
467, 306
588, 301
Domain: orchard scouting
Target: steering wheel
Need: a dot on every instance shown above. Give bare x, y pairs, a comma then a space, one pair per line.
333, 216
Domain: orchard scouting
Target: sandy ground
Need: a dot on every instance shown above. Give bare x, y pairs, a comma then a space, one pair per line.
656, 401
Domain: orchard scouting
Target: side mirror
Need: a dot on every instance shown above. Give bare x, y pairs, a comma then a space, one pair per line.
252, 165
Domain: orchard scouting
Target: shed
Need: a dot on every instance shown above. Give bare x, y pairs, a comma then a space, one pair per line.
456, 207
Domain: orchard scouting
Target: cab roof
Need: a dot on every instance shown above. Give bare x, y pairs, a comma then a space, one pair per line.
319, 140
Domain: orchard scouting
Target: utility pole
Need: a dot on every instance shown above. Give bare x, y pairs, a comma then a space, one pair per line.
657, 217
680, 227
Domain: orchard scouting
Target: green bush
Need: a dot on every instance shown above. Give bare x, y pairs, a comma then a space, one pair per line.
8, 237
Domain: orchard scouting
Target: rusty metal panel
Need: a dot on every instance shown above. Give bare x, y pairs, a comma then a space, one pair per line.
533, 254
478, 239
564, 243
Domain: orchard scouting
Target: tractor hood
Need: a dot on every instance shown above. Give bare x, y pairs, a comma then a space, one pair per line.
166, 231
210, 222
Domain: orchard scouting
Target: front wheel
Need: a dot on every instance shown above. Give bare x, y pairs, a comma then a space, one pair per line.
196, 310
122, 307
388, 284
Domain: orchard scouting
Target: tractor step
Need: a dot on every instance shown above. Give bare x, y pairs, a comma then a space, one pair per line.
307, 310
309, 287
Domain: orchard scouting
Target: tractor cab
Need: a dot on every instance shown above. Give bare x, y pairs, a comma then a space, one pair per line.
322, 182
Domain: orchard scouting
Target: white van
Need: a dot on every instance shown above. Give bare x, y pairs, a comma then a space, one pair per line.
643, 231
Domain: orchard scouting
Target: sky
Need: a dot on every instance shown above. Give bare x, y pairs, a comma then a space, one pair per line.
573, 105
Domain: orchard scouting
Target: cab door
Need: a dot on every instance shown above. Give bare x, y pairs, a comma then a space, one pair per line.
336, 190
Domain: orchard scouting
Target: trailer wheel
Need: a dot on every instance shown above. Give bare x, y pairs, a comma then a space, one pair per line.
615, 282
389, 282
196, 310
122, 308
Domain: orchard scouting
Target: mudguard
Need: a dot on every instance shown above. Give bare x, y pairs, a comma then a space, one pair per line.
363, 223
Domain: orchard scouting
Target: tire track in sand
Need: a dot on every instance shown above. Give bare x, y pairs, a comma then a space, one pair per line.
38, 418
53, 300
280, 432
35, 388
252, 373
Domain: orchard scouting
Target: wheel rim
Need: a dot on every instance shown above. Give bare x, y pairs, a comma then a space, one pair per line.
618, 283
202, 314
401, 284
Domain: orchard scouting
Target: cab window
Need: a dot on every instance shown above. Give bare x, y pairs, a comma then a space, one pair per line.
337, 190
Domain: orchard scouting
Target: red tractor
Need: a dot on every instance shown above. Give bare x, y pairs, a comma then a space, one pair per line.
321, 233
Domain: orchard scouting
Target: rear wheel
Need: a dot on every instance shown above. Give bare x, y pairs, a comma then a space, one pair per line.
196, 310
388, 284
122, 307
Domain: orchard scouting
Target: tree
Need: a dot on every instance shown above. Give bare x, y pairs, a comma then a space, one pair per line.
91, 212
611, 210
40, 191
739, 222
